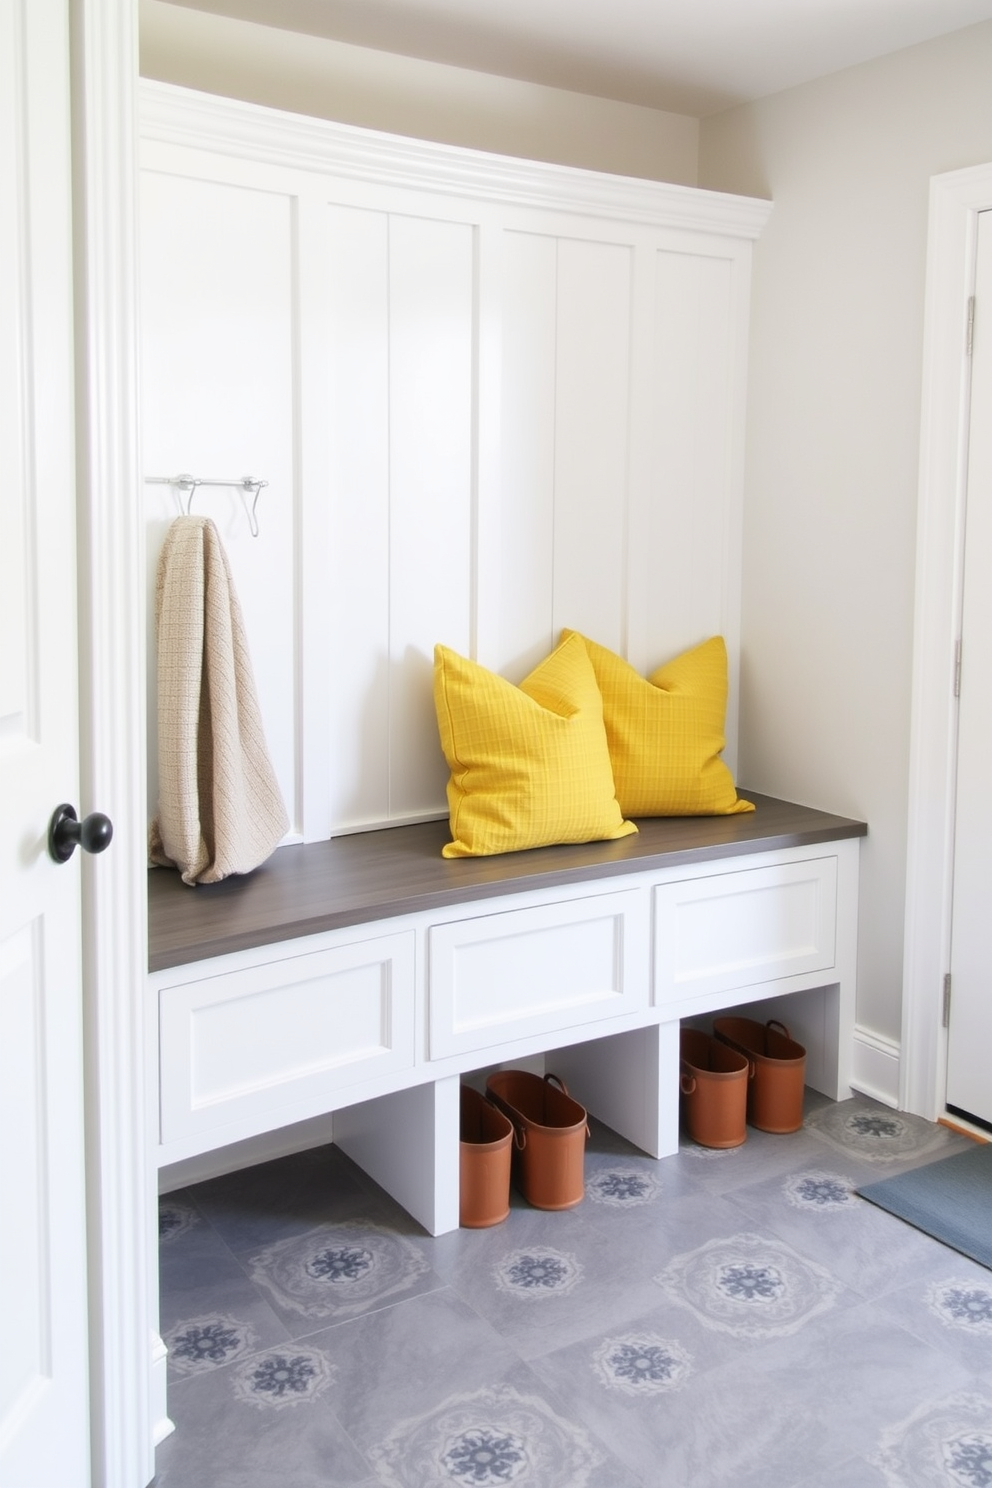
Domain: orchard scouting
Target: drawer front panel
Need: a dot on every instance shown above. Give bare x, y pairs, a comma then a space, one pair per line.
536, 971
738, 929
247, 1042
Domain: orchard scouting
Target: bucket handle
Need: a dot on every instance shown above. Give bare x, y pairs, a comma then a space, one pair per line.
549, 1077
774, 1023
687, 1080
519, 1133
752, 1064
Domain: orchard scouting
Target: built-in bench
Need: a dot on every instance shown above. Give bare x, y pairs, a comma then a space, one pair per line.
362, 978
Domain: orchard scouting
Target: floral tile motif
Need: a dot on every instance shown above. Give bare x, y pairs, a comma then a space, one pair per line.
205, 1343
278, 1379
338, 1270
707, 1154
642, 1365
820, 1193
622, 1188
874, 1133
174, 1219
485, 1440
942, 1445
537, 1273
962, 1304
749, 1285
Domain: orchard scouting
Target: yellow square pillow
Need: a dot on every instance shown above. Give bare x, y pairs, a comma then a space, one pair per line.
665, 733
529, 765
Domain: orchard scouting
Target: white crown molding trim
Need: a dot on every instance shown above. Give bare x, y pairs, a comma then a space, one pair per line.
180, 116
120, 1177
875, 1066
955, 201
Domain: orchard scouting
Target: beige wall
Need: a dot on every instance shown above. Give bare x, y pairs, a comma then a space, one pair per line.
833, 434
401, 95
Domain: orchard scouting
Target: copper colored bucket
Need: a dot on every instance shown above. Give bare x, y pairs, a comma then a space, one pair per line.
714, 1081
775, 1096
484, 1162
550, 1137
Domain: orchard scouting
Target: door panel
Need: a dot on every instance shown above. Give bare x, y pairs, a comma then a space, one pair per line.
969, 1086
43, 1365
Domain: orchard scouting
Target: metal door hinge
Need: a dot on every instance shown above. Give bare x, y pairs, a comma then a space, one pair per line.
970, 344
957, 668
945, 1017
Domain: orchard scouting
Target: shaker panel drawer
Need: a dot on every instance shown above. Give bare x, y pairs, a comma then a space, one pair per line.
245, 1042
734, 930
536, 971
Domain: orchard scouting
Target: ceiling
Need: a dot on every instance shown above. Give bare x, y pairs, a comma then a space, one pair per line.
689, 56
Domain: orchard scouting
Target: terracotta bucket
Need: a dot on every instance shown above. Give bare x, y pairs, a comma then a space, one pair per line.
550, 1137
775, 1096
484, 1162
714, 1080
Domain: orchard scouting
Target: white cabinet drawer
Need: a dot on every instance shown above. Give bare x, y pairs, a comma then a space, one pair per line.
303, 1028
734, 930
535, 971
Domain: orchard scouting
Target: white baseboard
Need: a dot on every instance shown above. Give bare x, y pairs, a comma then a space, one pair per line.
162, 1426
287, 1139
875, 1066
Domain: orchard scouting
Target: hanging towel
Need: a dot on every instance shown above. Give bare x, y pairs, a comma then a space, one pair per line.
220, 810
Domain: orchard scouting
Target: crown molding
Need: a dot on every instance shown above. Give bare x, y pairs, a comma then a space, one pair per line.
180, 116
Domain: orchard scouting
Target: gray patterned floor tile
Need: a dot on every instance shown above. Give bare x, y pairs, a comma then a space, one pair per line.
338, 1271
943, 1441
256, 1206
712, 1319
414, 1377
888, 1140
775, 1423
762, 1155
856, 1472
817, 1210
949, 1306
266, 1422
209, 1311
545, 1279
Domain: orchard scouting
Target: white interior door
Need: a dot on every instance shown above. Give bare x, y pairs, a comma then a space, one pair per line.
43, 1362
969, 1076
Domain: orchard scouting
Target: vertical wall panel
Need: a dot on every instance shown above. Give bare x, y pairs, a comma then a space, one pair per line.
431, 448
591, 439
217, 400
685, 526
530, 276
357, 431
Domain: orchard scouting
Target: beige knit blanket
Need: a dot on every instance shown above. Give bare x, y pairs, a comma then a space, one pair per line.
220, 810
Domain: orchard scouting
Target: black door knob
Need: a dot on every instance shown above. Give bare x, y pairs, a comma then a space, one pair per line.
66, 833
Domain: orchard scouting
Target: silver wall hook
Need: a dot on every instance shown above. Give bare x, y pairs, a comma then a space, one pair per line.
249, 485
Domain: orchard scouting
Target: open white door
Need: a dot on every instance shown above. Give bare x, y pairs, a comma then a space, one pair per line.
969, 1034
43, 1364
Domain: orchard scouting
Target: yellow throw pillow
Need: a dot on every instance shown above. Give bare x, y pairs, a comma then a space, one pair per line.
529, 765
665, 733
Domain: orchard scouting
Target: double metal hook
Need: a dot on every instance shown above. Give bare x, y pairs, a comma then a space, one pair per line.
248, 485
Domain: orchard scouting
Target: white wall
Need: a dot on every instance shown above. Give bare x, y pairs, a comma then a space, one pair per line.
402, 95
833, 434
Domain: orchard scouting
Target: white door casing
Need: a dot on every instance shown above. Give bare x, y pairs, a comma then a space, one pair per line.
956, 200
44, 1400
969, 1033
127, 1360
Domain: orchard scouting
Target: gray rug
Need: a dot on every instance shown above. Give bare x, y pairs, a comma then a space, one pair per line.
950, 1199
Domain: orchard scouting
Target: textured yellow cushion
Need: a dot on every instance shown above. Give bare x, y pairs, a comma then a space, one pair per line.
529, 765
665, 733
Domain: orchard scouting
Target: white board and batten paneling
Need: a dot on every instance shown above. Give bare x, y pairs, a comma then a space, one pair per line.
491, 398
